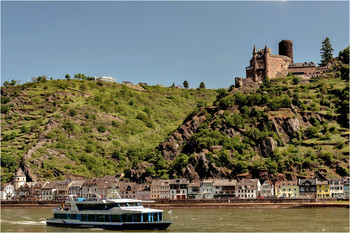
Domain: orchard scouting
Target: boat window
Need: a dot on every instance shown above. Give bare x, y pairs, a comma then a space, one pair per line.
160, 217
60, 216
116, 218
127, 217
84, 217
137, 217
132, 204
100, 218
110, 206
91, 217
145, 218
123, 204
155, 217
138, 204
72, 216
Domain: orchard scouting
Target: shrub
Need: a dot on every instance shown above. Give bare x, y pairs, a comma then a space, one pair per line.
72, 112
101, 129
311, 132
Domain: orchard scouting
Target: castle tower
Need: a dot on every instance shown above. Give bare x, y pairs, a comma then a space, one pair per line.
19, 178
267, 61
285, 47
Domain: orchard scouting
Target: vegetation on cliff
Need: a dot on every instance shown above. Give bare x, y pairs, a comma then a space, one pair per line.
85, 128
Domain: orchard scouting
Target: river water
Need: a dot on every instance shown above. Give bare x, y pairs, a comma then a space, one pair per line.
203, 220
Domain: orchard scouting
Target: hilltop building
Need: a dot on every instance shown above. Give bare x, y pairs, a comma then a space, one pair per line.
105, 79
265, 64
19, 179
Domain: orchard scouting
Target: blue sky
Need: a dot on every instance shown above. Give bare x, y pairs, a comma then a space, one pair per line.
161, 42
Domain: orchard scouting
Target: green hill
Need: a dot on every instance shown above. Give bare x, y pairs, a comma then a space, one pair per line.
288, 127
57, 128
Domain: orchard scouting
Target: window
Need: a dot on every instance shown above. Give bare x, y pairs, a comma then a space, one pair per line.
91, 218
116, 218
145, 218
100, 218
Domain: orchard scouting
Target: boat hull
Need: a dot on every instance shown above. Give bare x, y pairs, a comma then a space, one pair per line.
118, 226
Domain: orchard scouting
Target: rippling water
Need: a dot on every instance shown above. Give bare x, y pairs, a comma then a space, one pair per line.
204, 220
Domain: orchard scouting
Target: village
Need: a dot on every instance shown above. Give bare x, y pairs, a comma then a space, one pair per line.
111, 187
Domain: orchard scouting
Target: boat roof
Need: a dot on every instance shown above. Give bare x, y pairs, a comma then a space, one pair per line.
103, 201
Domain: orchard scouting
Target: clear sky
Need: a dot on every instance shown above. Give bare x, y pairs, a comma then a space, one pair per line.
161, 42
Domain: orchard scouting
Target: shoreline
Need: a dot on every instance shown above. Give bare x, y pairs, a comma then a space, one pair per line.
210, 205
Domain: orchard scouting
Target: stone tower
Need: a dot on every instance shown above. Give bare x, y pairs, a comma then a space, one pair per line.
19, 178
285, 47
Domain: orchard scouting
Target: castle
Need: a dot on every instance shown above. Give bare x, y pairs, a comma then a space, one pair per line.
264, 64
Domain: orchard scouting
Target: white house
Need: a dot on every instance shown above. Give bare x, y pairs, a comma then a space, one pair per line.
7, 191
207, 190
248, 188
105, 79
336, 188
267, 189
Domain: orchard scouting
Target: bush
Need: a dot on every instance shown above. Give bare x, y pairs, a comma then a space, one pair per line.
311, 132
101, 129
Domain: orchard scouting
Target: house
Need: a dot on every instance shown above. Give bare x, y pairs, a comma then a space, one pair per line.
49, 191
307, 188
287, 189
160, 189
178, 189
336, 188
75, 188
323, 190
26, 192
143, 192
224, 188
113, 191
7, 192
127, 83
193, 189
63, 189
248, 188
267, 189
105, 79
128, 190
38, 189
207, 189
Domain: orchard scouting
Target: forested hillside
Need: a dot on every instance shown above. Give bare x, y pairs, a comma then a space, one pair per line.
59, 128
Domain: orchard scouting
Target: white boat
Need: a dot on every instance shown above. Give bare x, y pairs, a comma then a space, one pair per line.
116, 214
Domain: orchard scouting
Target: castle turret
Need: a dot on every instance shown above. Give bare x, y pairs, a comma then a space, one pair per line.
285, 47
19, 178
254, 50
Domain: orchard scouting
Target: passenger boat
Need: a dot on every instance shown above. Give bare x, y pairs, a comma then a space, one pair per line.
114, 214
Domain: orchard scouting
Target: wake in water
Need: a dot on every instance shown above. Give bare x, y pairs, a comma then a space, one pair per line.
23, 222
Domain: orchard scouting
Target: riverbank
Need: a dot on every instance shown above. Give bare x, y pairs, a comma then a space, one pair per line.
218, 204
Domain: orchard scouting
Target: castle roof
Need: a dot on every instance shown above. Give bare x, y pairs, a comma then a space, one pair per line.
19, 172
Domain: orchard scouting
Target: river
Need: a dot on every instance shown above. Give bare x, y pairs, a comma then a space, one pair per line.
204, 220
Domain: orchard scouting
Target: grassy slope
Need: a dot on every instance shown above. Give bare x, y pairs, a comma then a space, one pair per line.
88, 128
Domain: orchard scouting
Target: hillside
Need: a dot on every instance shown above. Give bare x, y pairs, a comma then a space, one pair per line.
287, 128
71, 128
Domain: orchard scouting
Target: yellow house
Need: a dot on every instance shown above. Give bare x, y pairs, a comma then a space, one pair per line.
286, 189
113, 192
322, 189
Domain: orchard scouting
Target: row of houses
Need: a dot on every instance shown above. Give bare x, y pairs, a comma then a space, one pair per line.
110, 187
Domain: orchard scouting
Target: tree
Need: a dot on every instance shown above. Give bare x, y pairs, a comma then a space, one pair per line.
185, 83
67, 77
13, 82
173, 85
6, 83
326, 52
344, 55
202, 85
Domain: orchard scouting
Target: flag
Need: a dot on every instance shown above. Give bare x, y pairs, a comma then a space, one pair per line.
170, 212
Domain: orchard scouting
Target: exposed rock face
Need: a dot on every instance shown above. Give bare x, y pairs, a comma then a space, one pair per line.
171, 148
139, 172
267, 146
